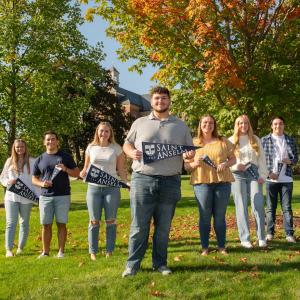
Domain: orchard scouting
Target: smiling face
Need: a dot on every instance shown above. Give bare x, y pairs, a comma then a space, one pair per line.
243, 126
160, 102
277, 126
207, 125
103, 133
20, 148
51, 143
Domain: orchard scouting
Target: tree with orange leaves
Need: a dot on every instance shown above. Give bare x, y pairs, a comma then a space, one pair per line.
228, 56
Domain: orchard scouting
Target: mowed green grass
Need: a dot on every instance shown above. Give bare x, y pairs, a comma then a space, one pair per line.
244, 274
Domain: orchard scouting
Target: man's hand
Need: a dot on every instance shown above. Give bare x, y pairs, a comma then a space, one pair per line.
136, 154
47, 184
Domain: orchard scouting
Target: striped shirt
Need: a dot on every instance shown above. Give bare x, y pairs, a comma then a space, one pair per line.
218, 151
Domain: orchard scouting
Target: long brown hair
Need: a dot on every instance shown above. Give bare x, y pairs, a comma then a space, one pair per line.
111, 138
215, 133
14, 157
251, 136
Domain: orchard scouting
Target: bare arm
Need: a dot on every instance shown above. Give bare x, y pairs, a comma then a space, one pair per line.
121, 167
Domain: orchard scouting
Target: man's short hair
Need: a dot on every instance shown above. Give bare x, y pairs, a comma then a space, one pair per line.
277, 117
50, 132
159, 90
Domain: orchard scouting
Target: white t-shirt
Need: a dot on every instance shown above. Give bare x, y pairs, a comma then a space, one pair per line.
281, 153
8, 173
105, 158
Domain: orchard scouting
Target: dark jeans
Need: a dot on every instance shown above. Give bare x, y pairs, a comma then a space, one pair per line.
151, 197
284, 190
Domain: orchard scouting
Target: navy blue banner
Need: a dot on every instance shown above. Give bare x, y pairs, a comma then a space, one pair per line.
279, 167
208, 161
55, 173
97, 176
157, 151
252, 170
21, 189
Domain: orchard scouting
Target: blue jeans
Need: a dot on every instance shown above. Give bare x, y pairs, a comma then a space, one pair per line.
13, 209
243, 188
99, 198
212, 200
284, 190
151, 197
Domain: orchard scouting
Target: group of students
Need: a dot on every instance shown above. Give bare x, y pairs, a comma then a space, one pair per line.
240, 164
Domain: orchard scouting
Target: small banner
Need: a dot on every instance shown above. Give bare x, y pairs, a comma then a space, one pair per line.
55, 173
21, 189
157, 151
97, 176
252, 171
279, 167
208, 161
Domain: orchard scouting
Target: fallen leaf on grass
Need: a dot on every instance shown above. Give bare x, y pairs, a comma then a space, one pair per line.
177, 258
157, 294
80, 264
243, 259
55, 278
255, 268
152, 284
253, 274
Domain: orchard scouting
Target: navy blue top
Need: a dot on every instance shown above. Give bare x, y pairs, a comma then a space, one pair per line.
44, 167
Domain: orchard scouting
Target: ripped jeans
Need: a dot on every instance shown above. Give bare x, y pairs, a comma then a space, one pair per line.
98, 198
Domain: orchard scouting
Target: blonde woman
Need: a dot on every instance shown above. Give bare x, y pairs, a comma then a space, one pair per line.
211, 182
18, 165
250, 172
107, 155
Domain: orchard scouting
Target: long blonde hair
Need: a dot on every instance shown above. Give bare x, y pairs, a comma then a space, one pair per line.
111, 138
251, 136
14, 157
215, 133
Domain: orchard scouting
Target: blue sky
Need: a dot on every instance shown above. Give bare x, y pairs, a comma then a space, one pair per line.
95, 32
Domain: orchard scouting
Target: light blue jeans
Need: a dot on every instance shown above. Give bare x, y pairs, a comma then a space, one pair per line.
212, 201
245, 187
151, 197
99, 198
13, 210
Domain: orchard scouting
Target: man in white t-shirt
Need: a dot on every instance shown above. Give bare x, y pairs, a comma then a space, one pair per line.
281, 154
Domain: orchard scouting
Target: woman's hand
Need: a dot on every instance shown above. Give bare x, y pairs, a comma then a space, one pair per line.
83, 173
11, 181
136, 154
241, 167
221, 167
260, 180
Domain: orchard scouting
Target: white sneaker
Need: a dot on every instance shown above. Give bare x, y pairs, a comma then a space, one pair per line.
262, 244
19, 251
128, 272
164, 270
290, 239
247, 245
60, 254
9, 253
43, 255
269, 237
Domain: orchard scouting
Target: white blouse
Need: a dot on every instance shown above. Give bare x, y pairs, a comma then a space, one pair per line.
8, 173
247, 154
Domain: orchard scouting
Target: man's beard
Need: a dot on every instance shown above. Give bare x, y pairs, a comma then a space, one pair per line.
161, 110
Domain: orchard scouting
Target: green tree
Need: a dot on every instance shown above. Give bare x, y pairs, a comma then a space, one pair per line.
227, 57
47, 69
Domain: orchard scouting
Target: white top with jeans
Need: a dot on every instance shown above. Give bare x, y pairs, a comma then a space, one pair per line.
247, 154
9, 173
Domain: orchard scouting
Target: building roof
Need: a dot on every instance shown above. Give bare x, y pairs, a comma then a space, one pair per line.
135, 99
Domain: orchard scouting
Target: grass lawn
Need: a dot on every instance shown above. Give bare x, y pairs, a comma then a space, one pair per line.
243, 274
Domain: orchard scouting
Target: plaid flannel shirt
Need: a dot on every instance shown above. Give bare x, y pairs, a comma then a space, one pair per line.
268, 147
